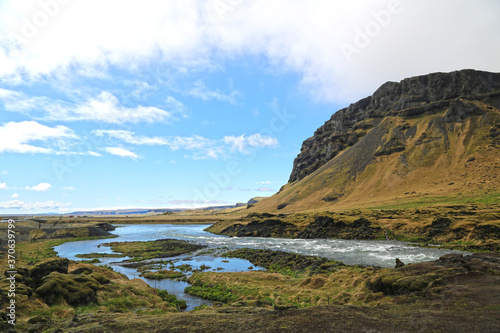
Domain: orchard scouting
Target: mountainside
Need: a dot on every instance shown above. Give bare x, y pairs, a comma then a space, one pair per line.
432, 136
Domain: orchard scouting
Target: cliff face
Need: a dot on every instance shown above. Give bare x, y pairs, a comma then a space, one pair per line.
432, 135
459, 91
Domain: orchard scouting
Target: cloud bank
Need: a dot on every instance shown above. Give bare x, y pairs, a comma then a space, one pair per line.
387, 39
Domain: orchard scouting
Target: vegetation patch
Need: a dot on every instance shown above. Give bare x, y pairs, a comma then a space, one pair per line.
99, 255
172, 300
213, 292
163, 274
161, 248
286, 263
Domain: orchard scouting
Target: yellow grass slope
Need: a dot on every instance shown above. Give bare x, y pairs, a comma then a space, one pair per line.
425, 158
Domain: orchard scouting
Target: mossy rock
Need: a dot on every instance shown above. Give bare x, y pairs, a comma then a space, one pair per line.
100, 278
39, 271
73, 289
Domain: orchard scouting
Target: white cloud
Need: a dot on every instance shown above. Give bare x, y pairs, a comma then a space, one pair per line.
264, 182
42, 187
200, 90
299, 36
260, 189
130, 137
265, 189
3, 186
104, 107
18, 204
201, 147
17, 136
242, 143
69, 188
122, 152
5, 172
196, 203
15, 195
93, 153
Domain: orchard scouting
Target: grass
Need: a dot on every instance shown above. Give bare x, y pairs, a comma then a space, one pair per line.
213, 292
140, 251
163, 274
99, 255
172, 300
489, 198
345, 286
33, 252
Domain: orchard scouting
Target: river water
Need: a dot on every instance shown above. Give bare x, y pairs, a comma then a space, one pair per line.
379, 253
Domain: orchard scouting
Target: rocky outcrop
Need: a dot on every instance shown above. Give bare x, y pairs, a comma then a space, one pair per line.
285, 261
432, 277
51, 281
457, 91
265, 228
327, 227
39, 271
74, 289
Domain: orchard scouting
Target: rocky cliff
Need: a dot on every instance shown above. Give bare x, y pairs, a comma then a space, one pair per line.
426, 136
461, 92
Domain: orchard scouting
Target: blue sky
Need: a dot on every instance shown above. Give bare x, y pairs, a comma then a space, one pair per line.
128, 104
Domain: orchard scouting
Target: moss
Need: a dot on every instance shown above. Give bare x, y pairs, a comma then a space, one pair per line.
76, 290
163, 274
161, 248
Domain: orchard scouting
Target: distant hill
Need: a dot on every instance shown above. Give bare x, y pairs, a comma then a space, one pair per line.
142, 211
428, 138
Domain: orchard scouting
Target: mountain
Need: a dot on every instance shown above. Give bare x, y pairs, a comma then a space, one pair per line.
431, 138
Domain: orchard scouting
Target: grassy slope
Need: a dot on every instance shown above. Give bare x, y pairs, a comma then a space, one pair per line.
458, 165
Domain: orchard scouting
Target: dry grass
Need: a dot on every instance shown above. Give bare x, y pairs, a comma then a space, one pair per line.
464, 166
345, 286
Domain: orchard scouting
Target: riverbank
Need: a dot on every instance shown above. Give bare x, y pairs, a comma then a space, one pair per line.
296, 293
467, 227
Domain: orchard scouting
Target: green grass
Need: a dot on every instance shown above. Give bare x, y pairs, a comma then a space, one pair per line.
213, 292
488, 198
163, 274
99, 255
33, 252
172, 299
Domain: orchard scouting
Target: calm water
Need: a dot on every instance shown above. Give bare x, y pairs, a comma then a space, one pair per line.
380, 253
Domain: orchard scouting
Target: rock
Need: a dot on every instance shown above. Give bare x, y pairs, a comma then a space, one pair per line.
399, 263
38, 319
421, 277
327, 227
265, 228
439, 226
252, 201
39, 271
487, 231
427, 94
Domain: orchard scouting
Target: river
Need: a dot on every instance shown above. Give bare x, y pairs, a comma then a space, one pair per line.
365, 252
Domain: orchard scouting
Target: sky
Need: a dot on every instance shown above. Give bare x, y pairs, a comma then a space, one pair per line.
183, 103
